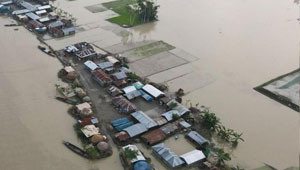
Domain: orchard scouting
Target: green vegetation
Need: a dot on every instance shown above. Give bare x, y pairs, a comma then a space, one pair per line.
133, 76
175, 116
80, 135
141, 11
212, 122
152, 49
127, 16
130, 154
92, 151
222, 156
172, 105
147, 10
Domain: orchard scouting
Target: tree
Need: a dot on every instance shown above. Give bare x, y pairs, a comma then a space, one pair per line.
130, 154
210, 121
147, 10
236, 138
222, 156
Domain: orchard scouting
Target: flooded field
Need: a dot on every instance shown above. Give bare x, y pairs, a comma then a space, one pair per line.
239, 44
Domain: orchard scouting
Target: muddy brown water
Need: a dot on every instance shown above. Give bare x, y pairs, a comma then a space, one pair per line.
240, 43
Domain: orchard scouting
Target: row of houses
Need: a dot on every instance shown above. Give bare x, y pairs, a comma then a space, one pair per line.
38, 17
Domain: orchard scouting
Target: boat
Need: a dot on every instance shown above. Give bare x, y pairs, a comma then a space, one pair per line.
76, 149
45, 50
66, 100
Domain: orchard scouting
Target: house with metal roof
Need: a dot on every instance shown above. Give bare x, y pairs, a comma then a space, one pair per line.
125, 70
32, 16
153, 137
85, 54
123, 105
6, 2
119, 75
91, 66
105, 65
114, 91
68, 31
41, 12
196, 138
22, 11
136, 129
169, 115
139, 156
179, 107
144, 119
101, 77
193, 157
169, 128
45, 7
152, 91
168, 157
112, 60
130, 92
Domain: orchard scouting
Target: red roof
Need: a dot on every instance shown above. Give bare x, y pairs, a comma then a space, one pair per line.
154, 136
102, 76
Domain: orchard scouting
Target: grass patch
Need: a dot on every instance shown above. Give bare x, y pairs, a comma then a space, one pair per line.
127, 16
152, 49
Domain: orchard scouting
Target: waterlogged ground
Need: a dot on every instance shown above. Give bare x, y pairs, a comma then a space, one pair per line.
231, 46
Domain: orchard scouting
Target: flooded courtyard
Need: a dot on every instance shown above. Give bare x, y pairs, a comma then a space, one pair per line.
230, 47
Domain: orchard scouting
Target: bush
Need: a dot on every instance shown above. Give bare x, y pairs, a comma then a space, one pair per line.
172, 105
175, 116
133, 76
92, 152
80, 135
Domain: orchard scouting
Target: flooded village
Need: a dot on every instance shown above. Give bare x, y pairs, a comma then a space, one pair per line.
82, 90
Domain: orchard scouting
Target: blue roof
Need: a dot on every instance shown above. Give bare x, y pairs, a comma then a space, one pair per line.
141, 165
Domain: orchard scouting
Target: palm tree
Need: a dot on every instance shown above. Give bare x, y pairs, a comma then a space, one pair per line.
222, 156
236, 138
224, 133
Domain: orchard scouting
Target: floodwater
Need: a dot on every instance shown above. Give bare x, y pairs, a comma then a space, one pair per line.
33, 124
240, 43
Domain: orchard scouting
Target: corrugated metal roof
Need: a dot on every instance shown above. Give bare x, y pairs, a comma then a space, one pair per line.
105, 65
125, 105
125, 70
44, 19
120, 75
154, 136
167, 155
144, 119
185, 124
136, 129
28, 6
180, 108
193, 156
196, 137
44, 7
40, 12
169, 115
152, 91
6, 2
169, 128
56, 24
32, 16
91, 65
68, 30
102, 76
112, 59
22, 11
